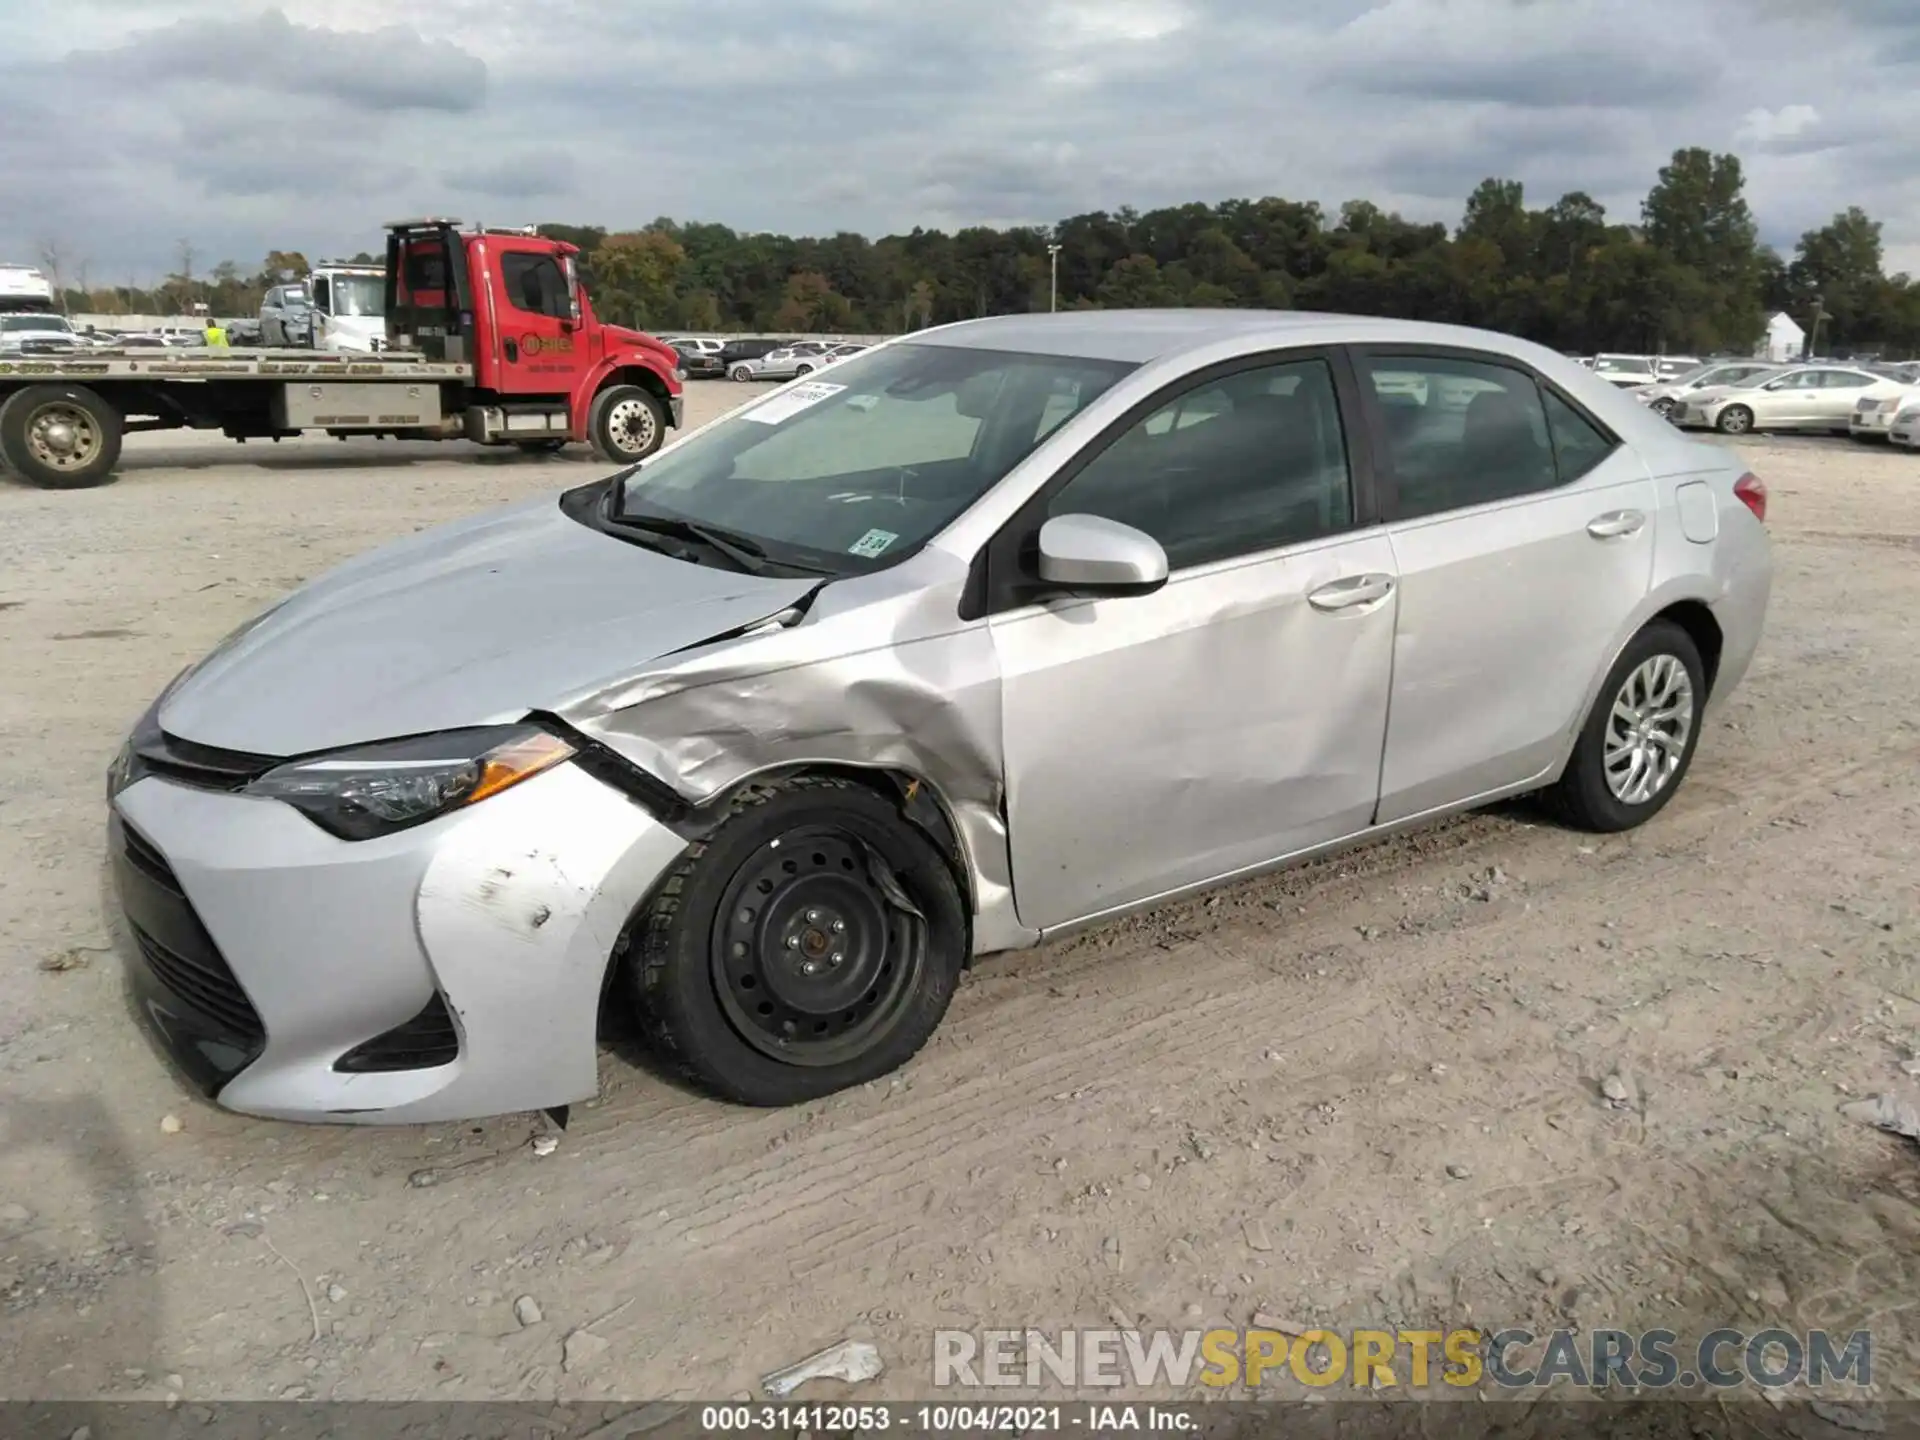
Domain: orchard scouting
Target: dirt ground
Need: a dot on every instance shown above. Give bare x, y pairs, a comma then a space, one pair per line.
1365, 1093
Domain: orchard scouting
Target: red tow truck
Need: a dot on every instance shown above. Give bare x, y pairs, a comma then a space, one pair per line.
490, 338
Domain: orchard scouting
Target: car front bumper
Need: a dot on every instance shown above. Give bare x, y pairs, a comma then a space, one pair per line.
450, 971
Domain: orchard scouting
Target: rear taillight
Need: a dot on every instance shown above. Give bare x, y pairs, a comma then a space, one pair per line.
1751, 491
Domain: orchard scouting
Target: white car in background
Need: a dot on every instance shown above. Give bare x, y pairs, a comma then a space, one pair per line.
1805, 397
1626, 371
1905, 429
34, 332
1874, 412
1661, 398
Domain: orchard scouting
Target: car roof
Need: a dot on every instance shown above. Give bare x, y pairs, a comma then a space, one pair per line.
1141, 336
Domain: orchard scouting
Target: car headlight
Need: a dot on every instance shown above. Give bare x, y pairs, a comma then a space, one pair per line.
372, 790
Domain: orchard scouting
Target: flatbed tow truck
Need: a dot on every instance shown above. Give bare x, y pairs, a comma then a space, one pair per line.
490, 337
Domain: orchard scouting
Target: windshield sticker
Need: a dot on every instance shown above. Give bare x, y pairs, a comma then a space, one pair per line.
873, 543
792, 402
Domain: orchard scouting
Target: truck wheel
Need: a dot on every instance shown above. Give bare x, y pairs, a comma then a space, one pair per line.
626, 424
60, 437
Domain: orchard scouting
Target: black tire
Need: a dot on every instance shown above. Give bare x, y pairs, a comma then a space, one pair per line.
1663, 408
740, 374
800, 370
1734, 420
1583, 797
718, 983
60, 437
626, 424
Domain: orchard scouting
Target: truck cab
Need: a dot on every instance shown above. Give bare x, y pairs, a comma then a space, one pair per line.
348, 305
510, 304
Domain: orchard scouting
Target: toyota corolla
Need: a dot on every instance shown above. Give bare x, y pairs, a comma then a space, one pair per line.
981, 636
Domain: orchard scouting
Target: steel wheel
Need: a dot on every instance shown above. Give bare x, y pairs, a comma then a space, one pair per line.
1648, 729
632, 426
62, 436
816, 949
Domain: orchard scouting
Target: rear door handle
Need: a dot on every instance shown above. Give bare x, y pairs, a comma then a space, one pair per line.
1615, 523
1354, 590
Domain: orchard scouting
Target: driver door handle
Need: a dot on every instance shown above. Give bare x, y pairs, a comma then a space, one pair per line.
1615, 523
1354, 590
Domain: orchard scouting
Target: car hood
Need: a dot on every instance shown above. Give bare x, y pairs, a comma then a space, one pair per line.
472, 623
354, 332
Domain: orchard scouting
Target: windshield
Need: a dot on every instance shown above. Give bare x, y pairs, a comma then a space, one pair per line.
1616, 365
855, 472
359, 294
35, 322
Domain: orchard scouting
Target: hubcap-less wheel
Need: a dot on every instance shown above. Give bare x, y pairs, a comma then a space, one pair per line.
632, 427
1663, 408
1648, 729
813, 959
62, 436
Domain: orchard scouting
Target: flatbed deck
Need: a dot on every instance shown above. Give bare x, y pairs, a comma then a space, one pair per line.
144, 363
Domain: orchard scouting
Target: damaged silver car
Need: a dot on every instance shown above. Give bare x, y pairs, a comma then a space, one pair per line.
984, 634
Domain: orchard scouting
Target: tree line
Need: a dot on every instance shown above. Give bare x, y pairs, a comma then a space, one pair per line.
1687, 275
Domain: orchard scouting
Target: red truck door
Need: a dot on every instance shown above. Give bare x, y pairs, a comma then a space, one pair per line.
536, 346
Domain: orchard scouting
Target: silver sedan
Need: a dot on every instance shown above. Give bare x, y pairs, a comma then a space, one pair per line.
787, 363
986, 634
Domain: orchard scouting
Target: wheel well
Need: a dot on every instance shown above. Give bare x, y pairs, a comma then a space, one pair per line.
646, 379
1697, 620
919, 802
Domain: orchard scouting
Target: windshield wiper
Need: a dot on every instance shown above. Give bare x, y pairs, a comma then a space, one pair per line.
744, 552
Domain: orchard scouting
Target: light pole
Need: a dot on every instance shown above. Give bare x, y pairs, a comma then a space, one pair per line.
1053, 277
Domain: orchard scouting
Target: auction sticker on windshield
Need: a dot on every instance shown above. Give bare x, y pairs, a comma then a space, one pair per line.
872, 543
792, 402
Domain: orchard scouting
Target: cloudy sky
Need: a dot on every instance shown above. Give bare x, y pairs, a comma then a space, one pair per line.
126, 125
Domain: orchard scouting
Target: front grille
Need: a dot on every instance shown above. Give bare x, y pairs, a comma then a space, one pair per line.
425, 1042
201, 766
151, 863
203, 981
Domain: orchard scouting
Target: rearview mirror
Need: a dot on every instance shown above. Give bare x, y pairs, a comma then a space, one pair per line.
1090, 554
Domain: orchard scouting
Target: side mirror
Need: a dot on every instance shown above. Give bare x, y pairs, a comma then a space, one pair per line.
1091, 555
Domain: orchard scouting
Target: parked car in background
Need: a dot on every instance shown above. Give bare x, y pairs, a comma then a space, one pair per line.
1877, 406
286, 318
1806, 397
1662, 397
38, 332
1905, 430
1625, 371
786, 363
705, 344
698, 364
1671, 367
746, 348
864, 680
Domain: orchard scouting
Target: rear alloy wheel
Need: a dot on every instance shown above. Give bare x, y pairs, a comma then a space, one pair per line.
742, 373
811, 943
60, 437
626, 424
1734, 420
1636, 746
800, 370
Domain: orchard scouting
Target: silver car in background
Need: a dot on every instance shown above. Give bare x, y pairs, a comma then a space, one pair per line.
1664, 396
789, 362
992, 632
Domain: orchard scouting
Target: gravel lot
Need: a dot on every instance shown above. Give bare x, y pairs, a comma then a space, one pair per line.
1388, 1063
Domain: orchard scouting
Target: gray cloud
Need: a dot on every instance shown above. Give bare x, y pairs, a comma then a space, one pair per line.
132, 122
